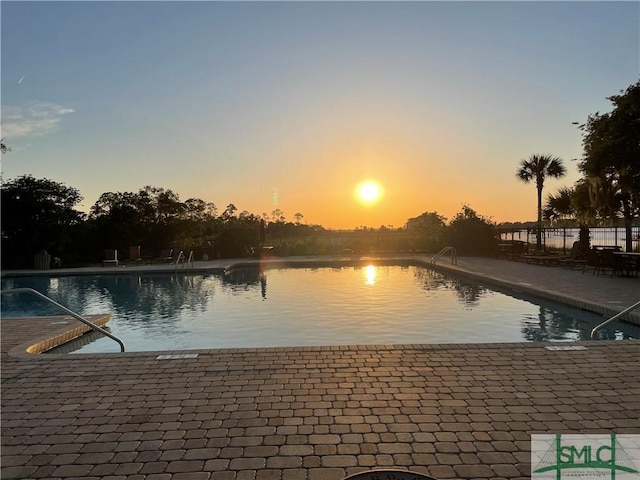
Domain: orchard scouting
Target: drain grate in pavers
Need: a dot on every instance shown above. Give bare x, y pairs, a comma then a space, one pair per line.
177, 356
565, 347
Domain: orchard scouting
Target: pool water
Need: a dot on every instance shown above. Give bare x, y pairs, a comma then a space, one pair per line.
348, 305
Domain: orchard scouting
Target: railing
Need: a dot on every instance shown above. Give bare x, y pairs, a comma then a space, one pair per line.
451, 250
65, 310
563, 237
613, 319
181, 260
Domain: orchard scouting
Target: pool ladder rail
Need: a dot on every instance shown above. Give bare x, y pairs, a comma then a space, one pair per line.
182, 260
617, 316
64, 309
445, 250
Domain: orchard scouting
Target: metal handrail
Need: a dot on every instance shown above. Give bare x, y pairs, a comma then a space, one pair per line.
454, 255
613, 319
91, 325
181, 260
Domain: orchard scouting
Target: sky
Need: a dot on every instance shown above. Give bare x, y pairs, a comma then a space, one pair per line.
291, 105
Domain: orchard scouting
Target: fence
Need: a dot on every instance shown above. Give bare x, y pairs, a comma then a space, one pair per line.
563, 238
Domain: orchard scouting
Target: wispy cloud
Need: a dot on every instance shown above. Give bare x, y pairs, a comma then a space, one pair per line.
33, 119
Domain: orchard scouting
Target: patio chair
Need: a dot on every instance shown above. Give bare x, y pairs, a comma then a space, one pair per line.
166, 256
592, 258
607, 261
110, 256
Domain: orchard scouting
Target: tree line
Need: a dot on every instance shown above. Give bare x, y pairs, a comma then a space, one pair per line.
40, 214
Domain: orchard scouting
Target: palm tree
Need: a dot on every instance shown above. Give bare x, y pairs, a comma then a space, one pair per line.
538, 168
559, 206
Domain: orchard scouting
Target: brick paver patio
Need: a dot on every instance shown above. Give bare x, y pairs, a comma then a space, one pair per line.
451, 411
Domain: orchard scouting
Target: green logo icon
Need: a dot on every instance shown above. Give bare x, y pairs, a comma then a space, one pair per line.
584, 456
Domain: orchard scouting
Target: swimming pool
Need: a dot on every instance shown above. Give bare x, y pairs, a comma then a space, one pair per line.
303, 306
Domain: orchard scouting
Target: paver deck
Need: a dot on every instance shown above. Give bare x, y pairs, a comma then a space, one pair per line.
311, 413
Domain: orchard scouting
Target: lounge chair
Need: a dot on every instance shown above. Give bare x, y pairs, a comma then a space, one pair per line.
512, 249
166, 256
544, 259
110, 256
575, 259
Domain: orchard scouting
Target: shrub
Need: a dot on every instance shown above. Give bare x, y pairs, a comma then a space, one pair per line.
472, 234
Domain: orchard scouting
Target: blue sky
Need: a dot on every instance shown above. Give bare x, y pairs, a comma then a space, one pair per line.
290, 105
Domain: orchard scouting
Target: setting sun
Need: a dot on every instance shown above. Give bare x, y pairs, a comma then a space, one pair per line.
368, 192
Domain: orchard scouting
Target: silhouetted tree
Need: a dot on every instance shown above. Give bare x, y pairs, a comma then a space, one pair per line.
197, 225
229, 212
472, 234
559, 206
277, 215
432, 227
115, 221
153, 217
573, 203
611, 161
239, 236
538, 168
37, 214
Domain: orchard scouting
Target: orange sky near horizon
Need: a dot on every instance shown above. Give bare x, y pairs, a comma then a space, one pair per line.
413, 180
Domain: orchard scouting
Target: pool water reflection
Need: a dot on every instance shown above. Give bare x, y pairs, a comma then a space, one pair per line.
251, 307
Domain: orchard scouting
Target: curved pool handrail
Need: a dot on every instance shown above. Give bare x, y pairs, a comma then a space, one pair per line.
617, 316
182, 259
91, 325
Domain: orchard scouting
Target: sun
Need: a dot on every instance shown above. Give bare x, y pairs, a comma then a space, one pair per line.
368, 191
